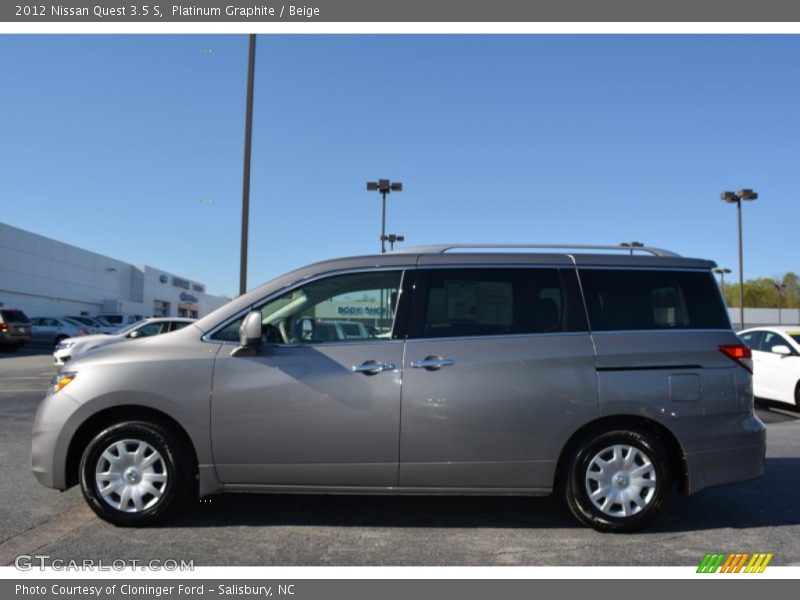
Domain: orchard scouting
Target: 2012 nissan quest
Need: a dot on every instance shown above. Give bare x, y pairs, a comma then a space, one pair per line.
608, 379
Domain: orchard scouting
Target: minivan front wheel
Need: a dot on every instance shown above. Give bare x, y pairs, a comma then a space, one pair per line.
618, 480
135, 473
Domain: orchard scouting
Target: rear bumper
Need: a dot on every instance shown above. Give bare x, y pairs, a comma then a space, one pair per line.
739, 457
14, 340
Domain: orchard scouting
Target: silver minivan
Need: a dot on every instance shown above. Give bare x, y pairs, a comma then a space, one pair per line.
609, 379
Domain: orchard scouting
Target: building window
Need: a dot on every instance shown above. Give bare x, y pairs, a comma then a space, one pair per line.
160, 308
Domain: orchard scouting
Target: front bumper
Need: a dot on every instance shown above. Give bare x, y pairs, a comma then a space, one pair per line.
55, 423
62, 356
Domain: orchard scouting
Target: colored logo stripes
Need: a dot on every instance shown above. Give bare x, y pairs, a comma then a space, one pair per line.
734, 563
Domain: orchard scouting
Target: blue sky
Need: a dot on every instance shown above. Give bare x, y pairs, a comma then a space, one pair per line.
131, 146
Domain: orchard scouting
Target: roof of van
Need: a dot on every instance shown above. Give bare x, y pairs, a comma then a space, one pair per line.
442, 248
578, 254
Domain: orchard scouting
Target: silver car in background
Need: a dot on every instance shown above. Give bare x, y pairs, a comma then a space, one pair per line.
51, 331
69, 348
94, 325
607, 379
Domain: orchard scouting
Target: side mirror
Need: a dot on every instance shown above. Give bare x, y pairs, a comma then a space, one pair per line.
133, 334
249, 334
782, 350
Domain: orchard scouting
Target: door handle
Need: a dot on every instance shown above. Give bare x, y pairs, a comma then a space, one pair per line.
432, 363
371, 367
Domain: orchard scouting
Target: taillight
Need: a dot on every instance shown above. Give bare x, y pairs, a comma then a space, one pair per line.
83, 331
3, 326
740, 354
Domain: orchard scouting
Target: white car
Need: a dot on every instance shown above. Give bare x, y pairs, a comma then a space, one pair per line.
776, 362
71, 347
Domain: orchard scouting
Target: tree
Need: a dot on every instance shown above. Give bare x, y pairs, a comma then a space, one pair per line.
761, 292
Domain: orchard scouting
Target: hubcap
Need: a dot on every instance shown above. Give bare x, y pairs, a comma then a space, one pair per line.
620, 480
131, 475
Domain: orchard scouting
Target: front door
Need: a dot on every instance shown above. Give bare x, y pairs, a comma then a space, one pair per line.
319, 403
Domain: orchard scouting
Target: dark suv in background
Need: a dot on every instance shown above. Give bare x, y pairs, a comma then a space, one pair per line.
15, 329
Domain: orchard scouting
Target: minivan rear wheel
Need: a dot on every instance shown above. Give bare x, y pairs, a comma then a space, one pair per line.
617, 481
135, 473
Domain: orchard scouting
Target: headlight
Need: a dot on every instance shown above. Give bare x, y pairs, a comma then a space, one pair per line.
64, 345
60, 381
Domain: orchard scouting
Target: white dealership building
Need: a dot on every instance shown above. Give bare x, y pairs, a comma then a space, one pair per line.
45, 277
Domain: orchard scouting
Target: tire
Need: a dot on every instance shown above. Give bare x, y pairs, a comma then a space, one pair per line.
170, 473
797, 397
647, 464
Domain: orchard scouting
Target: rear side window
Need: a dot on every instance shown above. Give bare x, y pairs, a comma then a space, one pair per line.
13, 316
482, 302
621, 299
752, 339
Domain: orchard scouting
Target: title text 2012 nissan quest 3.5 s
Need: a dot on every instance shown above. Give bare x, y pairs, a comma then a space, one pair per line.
609, 379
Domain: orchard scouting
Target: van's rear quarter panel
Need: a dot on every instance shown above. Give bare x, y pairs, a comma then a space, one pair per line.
722, 440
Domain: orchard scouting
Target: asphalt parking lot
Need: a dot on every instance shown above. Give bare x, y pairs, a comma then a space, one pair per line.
242, 529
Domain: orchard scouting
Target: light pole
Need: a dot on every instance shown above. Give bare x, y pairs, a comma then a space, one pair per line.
632, 245
384, 187
392, 238
779, 287
721, 272
736, 198
248, 139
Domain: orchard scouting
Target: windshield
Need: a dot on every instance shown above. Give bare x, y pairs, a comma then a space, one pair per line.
83, 320
130, 327
14, 316
795, 335
104, 322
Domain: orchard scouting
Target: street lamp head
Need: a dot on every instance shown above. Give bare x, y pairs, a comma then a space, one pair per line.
384, 186
747, 194
729, 197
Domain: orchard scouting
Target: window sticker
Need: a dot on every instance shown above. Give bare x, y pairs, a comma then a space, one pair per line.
496, 303
484, 303
462, 300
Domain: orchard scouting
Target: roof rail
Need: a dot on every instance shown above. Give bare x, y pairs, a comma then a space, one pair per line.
443, 248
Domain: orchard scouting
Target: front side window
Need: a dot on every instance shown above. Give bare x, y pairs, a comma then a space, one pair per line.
342, 308
464, 302
152, 329
772, 339
638, 299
